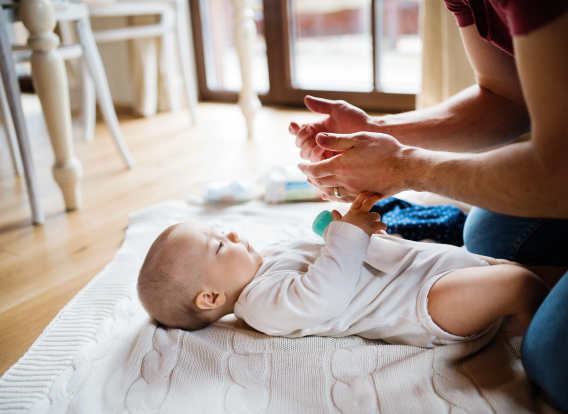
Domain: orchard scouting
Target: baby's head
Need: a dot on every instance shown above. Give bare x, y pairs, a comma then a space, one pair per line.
193, 275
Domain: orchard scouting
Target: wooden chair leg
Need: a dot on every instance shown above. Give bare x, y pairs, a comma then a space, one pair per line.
13, 97
96, 68
185, 53
10, 132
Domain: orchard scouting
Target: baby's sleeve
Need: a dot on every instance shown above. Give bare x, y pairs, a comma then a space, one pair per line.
287, 301
389, 254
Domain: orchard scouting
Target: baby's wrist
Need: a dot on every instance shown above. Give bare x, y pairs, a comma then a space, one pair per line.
350, 229
369, 232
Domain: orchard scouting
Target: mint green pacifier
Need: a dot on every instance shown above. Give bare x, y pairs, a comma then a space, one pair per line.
321, 222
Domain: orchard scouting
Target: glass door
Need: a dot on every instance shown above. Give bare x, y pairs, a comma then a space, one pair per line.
367, 52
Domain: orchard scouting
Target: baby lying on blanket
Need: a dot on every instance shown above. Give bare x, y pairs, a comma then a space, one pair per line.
360, 282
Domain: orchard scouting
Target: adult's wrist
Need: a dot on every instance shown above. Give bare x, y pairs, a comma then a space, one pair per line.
417, 167
381, 124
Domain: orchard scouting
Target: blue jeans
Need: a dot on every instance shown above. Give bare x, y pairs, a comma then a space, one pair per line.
537, 242
545, 351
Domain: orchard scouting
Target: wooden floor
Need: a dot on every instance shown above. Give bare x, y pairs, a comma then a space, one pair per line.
43, 267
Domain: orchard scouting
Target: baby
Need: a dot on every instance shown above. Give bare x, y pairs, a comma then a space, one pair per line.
361, 281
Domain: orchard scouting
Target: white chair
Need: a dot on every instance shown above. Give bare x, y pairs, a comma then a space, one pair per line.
93, 74
15, 121
173, 24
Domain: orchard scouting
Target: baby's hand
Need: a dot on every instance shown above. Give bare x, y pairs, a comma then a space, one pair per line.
359, 215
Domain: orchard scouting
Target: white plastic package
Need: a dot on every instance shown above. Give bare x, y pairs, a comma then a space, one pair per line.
288, 183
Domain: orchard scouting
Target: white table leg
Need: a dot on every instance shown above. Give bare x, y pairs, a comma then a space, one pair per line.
50, 82
245, 37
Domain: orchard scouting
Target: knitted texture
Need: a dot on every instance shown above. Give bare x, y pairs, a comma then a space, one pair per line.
103, 353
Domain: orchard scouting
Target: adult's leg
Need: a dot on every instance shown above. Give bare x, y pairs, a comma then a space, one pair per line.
543, 351
530, 241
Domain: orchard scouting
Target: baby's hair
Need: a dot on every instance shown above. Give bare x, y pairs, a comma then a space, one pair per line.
167, 297
159, 291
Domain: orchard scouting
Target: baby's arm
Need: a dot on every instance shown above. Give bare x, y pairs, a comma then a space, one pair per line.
469, 300
287, 301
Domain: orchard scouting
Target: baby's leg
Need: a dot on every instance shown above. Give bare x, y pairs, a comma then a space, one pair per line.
468, 300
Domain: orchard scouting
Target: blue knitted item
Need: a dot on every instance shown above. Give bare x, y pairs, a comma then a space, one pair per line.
442, 223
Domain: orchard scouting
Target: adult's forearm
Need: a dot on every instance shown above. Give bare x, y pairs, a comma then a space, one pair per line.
474, 120
514, 180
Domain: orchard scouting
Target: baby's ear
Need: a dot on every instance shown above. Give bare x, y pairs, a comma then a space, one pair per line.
207, 299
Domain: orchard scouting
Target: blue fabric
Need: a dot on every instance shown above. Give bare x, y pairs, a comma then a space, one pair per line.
545, 346
530, 241
442, 223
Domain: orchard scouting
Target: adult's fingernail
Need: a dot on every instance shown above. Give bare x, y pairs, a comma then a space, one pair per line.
322, 138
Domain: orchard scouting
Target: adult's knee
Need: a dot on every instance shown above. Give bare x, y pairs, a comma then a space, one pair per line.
483, 234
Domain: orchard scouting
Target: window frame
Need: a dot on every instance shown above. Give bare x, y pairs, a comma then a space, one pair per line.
281, 91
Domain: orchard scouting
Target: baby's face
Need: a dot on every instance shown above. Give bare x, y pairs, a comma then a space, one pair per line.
227, 262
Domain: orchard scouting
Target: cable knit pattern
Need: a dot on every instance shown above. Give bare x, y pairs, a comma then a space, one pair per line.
103, 354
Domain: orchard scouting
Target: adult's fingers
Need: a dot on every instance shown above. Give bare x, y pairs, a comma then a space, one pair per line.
319, 105
346, 199
319, 169
293, 128
328, 193
336, 142
305, 133
330, 181
306, 149
327, 154
317, 153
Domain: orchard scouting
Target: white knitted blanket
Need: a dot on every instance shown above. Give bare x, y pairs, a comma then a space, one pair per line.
103, 354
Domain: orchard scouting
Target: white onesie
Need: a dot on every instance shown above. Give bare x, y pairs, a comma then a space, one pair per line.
375, 287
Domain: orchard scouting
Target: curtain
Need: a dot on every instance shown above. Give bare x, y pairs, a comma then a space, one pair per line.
445, 67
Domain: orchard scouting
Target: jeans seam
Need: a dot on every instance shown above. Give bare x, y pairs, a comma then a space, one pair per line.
523, 237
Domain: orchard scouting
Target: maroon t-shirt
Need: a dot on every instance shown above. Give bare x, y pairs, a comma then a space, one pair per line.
497, 21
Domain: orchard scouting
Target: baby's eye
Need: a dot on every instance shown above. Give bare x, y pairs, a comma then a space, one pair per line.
220, 245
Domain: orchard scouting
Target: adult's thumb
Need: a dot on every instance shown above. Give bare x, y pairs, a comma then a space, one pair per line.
319, 105
335, 142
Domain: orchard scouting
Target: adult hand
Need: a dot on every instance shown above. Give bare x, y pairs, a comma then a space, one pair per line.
369, 162
343, 118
